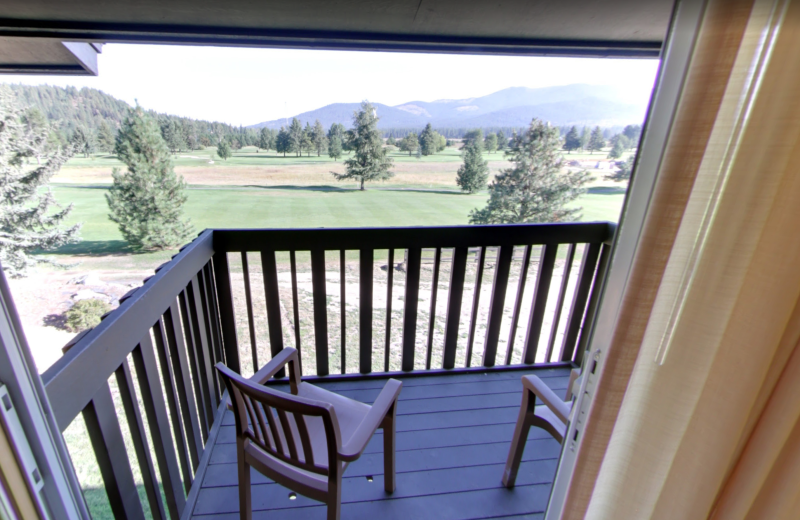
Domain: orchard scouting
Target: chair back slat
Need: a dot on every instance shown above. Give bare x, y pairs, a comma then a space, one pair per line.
308, 452
273, 428
288, 434
248, 404
262, 426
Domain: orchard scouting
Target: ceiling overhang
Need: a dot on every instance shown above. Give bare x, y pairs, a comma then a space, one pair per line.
597, 28
19, 55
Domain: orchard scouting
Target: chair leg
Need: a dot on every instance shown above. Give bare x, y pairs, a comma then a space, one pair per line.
335, 497
526, 411
388, 426
245, 505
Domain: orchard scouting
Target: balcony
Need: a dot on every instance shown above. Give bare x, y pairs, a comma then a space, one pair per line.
509, 300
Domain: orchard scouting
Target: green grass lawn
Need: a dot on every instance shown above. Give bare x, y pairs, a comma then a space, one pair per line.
304, 207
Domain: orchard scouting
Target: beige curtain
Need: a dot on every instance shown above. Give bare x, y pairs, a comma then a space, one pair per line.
697, 413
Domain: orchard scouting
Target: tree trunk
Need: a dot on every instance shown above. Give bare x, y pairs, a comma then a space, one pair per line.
362, 184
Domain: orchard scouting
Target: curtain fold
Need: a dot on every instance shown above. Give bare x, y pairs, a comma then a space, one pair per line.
704, 379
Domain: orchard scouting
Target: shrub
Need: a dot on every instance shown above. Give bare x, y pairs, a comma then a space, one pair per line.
85, 314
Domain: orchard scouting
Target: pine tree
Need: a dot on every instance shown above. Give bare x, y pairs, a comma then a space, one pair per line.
370, 162
534, 190
572, 141
428, 141
83, 141
266, 139
472, 175
318, 138
617, 151
224, 150
490, 143
308, 140
391, 141
335, 147
147, 200
296, 136
410, 143
624, 170
27, 222
172, 133
283, 142
475, 136
502, 141
596, 141
105, 138
585, 133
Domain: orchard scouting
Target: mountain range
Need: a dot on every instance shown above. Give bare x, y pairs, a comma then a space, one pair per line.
577, 104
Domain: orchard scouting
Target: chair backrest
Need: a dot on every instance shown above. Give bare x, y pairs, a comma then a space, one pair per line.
283, 425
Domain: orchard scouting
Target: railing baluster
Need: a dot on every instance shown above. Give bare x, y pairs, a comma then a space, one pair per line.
194, 366
562, 293
476, 297
365, 286
342, 314
208, 285
144, 362
544, 276
296, 308
127, 393
456, 291
273, 301
227, 319
320, 310
105, 435
588, 264
432, 321
172, 402
251, 324
182, 383
411, 303
496, 304
203, 351
523, 275
593, 301
389, 282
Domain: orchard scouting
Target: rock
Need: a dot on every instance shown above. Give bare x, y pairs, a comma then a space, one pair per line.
88, 279
88, 294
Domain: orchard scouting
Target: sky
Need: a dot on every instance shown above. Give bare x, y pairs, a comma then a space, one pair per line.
244, 86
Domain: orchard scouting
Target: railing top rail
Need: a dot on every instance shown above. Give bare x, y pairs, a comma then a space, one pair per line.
411, 237
74, 379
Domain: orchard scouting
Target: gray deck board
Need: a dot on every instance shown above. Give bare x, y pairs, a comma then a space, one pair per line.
453, 434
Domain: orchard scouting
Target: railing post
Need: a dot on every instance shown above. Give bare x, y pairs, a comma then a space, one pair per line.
227, 320
591, 309
576, 313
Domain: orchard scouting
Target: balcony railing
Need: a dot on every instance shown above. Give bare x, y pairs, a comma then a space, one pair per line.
190, 314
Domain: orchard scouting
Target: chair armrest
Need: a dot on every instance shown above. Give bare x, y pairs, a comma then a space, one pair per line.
372, 421
287, 355
547, 396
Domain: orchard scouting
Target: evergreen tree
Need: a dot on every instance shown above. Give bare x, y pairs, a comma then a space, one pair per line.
224, 150
410, 143
472, 175
502, 141
617, 151
391, 141
475, 136
370, 162
307, 143
572, 141
147, 200
318, 138
335, 147
105, 138
27, 222
534, 190
596, 141
83, 141
266, 139
296, 136
633, 133
585, 133
623, 173
490, 143
283, 142
172, 133
428, 141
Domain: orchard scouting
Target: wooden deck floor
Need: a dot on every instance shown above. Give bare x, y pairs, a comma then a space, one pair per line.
453, 434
